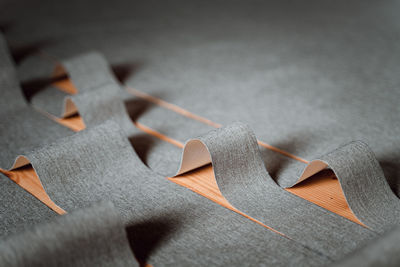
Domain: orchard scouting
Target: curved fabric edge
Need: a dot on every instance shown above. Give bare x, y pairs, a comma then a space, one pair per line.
88, 71
361, 178
100, 96
92, 236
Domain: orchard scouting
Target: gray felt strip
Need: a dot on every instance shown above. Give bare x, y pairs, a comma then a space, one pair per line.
363, 183
19, 209
104, 103
168, 224
245, 183
382, 251
88, 71
89, 237
21, 128
315, 85
98, 104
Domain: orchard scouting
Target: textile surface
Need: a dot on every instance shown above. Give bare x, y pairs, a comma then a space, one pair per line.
315, 83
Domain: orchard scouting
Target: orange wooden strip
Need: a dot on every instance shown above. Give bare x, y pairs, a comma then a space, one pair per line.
159, 135
325, 191
66, 85
75, 122
172, 107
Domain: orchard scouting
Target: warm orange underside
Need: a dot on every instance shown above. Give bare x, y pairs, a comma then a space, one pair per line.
324, 191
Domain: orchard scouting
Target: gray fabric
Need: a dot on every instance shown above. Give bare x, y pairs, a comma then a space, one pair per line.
51, 100
21, 128
102, 100
364, 185
90, 237
361, 178
245, 183
168, 224
307, 77
101, 104
97, 105
383, 251
18, 209
87, 72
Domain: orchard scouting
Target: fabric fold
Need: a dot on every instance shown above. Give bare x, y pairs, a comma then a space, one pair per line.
243, 180
239, 171
92, 236
166, 223
88, 72
99, 97
363, 183
21, 128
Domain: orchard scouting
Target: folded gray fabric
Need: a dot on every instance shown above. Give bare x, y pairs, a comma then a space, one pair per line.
104, 103
168, 224
103, 98
21, 128
101, 101
89, 237
100, 97
363, 183
306, 86
243, 180
19, 210
86, 71
307, 103
382, 251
